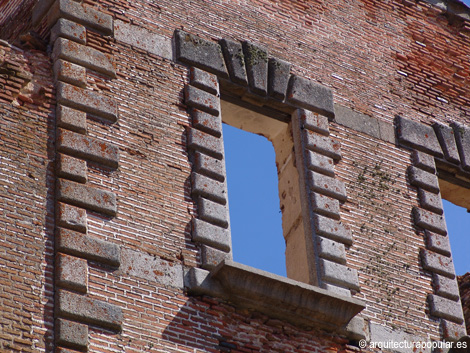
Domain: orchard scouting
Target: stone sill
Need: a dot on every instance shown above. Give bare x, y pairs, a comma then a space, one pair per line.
279, 297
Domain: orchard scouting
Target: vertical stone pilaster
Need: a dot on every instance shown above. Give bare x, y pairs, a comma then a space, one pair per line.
69, 22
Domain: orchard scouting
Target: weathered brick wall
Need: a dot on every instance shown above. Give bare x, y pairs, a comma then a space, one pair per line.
26, 199
381, 59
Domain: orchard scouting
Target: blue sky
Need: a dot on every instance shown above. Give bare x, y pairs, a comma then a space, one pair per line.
257, 226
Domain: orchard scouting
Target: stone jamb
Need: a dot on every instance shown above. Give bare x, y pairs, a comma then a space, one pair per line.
430, 145
68, 22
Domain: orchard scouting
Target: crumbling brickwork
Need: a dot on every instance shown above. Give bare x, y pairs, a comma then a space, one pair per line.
114, 208
27, 211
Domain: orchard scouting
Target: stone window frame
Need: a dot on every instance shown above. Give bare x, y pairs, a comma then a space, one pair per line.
235, 69
435, 149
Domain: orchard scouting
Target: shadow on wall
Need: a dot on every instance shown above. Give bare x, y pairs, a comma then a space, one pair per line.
206, 323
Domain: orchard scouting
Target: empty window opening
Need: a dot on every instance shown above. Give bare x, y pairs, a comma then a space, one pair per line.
263, 188
456, 203
255, 216
458, 227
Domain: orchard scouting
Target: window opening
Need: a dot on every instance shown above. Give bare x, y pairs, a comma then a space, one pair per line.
458, 227
288, 203
255, 216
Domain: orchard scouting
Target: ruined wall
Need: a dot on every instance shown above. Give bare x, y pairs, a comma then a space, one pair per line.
27, 211
123, 123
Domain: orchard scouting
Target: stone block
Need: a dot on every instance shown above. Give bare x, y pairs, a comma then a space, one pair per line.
90, 311
71, 217
320, 144
445, 308
356, 328
213, 213
71, 334
459, 10
209, 188
68, 30
338, 274
445, 287
319, 163
311, 95
423, 179
88, 57
327, 186
70, 73
82, 14
199, 99
211, 167
40, 10
214, 236
200, 53
419, 136
71, 119
331, 250
438, 243
325, 205
198, 281
235, 61
430, 201
205, 143
389, 333
462, 138
430, 221
387, 132
204, 80
211, 257
357, 121
86, 196
71, 272
256, 61
207, 122
452, 331
149, 267
445, 136
88, 101
91, 248
278, 78
88, 148
332, 229
143, 39
312, 121
437, 263
423, 161
337, 290
71, 168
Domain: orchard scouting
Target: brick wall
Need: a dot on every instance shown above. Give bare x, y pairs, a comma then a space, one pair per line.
380, 59
27, 212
